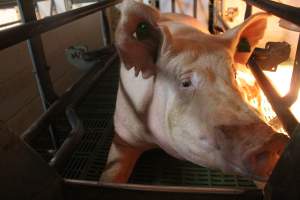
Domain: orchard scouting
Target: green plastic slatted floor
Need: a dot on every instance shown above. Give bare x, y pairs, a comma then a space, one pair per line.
154, 167
158, 168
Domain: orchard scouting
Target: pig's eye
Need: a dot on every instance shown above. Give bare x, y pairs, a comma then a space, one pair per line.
186, 83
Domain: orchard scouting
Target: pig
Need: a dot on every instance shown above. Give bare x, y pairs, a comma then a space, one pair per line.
178, 92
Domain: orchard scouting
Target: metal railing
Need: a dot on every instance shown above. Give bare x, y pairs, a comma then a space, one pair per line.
30, 31
20, 33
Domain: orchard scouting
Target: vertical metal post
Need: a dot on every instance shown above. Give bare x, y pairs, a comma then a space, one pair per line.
52, 7
173, 6
68, 4
195, 8
291, 97
211, 16
248, 12
40, 68
105, 28
157, 5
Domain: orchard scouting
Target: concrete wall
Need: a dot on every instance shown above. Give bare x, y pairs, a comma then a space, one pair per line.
20, 103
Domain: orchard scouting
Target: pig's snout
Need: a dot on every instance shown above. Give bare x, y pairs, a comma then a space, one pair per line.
261, 162
255, 146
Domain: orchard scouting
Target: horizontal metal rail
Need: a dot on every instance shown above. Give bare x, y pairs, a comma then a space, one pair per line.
9, 23
20, 33
11, 3
283, 11
156, 188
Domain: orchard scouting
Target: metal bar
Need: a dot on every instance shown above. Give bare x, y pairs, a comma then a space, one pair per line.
77, 132
248, 11
20, 33
105, 28
76, 92
292, 96
9, 3
157, 4
225, 26
4, 5
211, 16
173, 6
9, 23
195, 8
68, 4
157, 188
284, 114
70, 142
286, 12
82, 189
40, 69
52, 7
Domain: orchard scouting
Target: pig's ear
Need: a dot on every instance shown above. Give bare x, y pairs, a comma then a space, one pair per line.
139, 38
243, 38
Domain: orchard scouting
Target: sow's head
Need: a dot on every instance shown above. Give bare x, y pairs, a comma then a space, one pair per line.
205, 118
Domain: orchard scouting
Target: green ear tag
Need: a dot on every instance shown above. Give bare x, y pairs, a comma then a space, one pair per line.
142, 30
243, 45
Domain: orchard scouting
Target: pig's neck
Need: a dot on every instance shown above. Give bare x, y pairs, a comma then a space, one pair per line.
159, 108
140, 116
